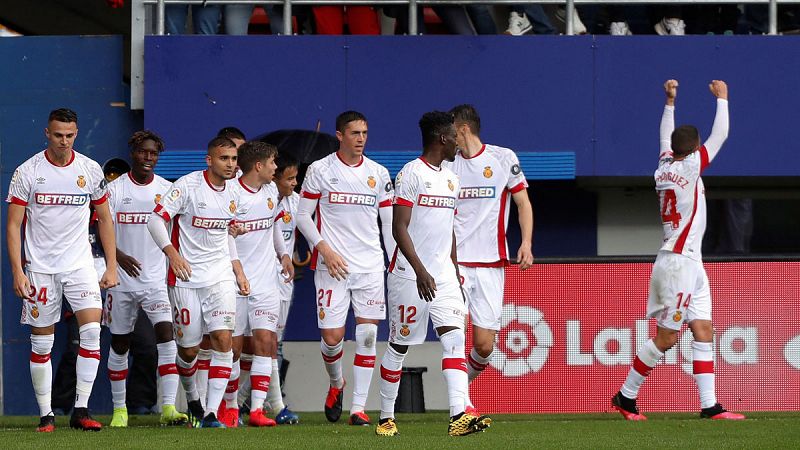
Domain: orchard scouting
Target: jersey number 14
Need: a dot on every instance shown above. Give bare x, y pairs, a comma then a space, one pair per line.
669, 209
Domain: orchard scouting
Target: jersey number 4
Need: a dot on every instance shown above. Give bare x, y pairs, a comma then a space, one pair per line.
669, 209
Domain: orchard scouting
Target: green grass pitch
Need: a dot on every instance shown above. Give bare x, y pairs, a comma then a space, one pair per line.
418, 431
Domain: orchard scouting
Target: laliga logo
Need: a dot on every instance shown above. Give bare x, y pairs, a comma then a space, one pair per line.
523, 343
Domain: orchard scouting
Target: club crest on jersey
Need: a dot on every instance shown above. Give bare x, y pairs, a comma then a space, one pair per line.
157, 199
677, 316
371, 182
35, 312
287, 217
81, 181
179, 332
487, 172
321, 314
404, 331
451, 185
232, 207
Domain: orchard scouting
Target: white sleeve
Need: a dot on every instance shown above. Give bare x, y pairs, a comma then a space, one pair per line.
665, 131
173, 202
277, 239
386, 230
719, 131
158, 230
232, 248
19, 189
305, 223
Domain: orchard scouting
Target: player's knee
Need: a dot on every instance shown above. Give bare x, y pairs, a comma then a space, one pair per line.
42, 344
366, 333
484, 349
120, 343
90, 336
332, 339
665, 340
163, 332
453, 342
189, 354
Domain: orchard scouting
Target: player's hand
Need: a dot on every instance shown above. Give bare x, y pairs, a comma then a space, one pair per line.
671, 89
109, 279
524, 257
337, 266
426, 286
129, 264
287, 269
244, 285
22, 286
236, 229
719, 88
180, 267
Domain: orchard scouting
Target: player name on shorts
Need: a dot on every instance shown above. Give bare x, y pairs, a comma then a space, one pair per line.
436, 201
347, 198
133, 218
256, 224
62, 199
675, 178
472, 192
202, 222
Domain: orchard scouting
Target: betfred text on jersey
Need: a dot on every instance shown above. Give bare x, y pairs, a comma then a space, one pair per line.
476, 192
202, 222
436, 201
62, 199
257, 224
347, 198
132, 218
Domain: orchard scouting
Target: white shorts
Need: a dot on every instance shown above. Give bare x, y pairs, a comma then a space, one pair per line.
79, 287
122, 308
679, 291
363, 290
483, 287
286, 292
408, 314
257, 312
201, 310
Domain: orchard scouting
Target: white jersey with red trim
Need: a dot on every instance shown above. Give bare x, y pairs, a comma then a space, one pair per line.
56, 201
287, 224
257, 213
431, 193
347, 212
487, 181
200, 214
131, 206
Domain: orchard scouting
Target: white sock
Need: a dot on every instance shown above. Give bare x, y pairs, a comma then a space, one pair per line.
167, 371
88, 361
201, 377
647, 358
259, 381
186, 372
275, 395
391, 370
42, 370
454, 370
703, 368
476, 363
118, 374
245, 363
363, 364
231, 396
219, 372
332, 356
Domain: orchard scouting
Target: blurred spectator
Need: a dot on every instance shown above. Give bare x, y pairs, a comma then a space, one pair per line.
360, 19
236, 18
756, 18
524, 18
712, 19
205, 19
671, 21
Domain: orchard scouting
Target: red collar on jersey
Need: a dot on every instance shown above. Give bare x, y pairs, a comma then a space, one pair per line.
360, 161
483, 147
438, 169
71, 158
205, 176
246, 187
133, 180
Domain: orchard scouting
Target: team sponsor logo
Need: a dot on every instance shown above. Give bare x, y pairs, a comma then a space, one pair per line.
202, 205
371, 182
287, 217
677, 316
272, 317
270, 203
388, 187
41, 180
321, 314
348, 198
487, 172
515, 170
524, 341
210, 224
474, 192
127, 201
256, 224
334, 180
404, 331
428, 184
62, 199
35, 312
451, 185
159, 307
157, 199
375, 302
174, 195
81, 181
132, 218
232, 207
436, 201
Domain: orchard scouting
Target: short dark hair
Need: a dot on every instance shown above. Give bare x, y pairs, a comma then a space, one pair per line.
284, 161
346, 117
220, 142
231, 133
253, 151
140, 136
433, 124
65, 115
684, 139
468, 115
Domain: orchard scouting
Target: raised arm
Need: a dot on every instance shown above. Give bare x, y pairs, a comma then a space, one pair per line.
719, 131
668, 118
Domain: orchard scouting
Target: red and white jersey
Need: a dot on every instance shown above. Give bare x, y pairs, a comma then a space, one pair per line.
56, 201
200, 214
257, 212
286, 224
131, 206
431, 193
347, 212
487, 181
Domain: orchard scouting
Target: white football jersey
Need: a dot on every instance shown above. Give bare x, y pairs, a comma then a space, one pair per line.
286, 224
257, 211
487, 181
431, 194
131, 206
200, 214
56, 201
347, 213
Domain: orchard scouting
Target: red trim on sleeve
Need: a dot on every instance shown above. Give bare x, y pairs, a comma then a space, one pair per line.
159, 209
704, 162
403, 202
385, 203
100, 200
520, 187
311, 195
394, 259
18, 201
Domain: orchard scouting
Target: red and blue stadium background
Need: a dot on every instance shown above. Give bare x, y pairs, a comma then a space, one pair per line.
596, 98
